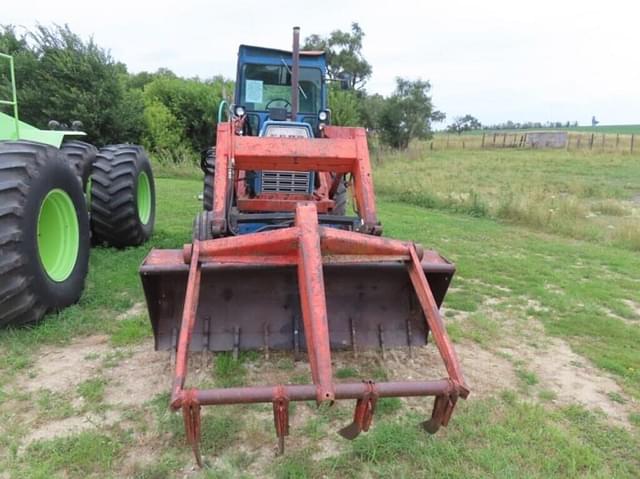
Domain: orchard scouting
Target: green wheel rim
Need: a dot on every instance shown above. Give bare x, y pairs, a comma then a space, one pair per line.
58, 235
144, 198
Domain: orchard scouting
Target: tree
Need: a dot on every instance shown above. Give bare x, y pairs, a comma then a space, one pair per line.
408, 113
190, 105
467, 123
61, 77
344, 55
371, 107
345, 107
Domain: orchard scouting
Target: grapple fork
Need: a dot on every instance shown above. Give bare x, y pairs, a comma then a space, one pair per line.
309, 246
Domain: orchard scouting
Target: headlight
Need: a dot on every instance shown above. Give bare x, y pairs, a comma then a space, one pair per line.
239, 110
323, 115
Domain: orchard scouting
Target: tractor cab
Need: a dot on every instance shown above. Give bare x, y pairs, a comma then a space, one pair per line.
263, 92
267, 105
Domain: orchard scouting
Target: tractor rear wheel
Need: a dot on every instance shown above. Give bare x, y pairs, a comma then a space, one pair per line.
81, 156
123, 197
208, 165
44, 232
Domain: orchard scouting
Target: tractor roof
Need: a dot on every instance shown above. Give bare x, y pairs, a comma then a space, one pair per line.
260, 55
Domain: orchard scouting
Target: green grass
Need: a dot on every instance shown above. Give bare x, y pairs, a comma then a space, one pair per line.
572, 281
489, 438
92, 390
77, 456
131, 331
583, 196
537, 272
613, 129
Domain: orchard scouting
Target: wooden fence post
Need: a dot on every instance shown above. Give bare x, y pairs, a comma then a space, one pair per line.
603, 141
578, 143
633, 136
591, 142
494, 138
482, 141
504, 140
617, 140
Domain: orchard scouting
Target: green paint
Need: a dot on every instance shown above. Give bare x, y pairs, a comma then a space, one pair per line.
58, 235
144, 198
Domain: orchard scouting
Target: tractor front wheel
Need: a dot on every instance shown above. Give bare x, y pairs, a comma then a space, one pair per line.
208, 166
44, 232
340, 198
123, 196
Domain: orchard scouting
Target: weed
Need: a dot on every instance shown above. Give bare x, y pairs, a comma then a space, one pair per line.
344, 373
131, 331
92, 390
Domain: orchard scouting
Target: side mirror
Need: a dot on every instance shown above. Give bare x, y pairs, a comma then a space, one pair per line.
345, 81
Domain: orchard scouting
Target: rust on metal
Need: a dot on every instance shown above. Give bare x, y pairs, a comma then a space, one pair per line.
363, 414
281, 415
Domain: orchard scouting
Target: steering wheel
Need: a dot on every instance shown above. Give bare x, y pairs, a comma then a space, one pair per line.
286, 102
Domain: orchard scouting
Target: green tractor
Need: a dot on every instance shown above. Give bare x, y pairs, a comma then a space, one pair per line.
59, 194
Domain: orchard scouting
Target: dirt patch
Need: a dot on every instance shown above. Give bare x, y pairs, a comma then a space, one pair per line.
572, 378
630, 322
635, 307
486, 373
61, 368
70, 425
138, 378
138, 309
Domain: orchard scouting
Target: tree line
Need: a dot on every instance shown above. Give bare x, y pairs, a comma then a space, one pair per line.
64, 77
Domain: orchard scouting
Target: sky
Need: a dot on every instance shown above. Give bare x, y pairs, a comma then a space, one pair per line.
498, 60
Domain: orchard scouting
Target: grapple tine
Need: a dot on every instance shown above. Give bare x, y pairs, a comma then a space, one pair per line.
191, 416
363, 414
350, 432
281, 415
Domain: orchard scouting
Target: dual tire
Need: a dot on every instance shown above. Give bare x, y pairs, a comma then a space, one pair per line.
44, 225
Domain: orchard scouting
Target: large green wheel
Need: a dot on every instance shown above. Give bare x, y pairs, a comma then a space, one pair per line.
81, 156
44, 232
123, 198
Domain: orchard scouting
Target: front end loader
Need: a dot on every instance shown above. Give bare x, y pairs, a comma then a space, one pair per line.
275, 264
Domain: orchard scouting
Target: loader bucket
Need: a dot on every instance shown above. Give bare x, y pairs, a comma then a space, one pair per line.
308, 287
257, 307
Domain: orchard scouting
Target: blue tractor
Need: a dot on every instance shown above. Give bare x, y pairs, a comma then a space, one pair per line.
264, 98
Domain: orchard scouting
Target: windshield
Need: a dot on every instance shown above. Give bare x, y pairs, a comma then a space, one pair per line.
269, 86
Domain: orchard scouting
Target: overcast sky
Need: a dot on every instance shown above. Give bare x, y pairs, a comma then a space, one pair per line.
497, 60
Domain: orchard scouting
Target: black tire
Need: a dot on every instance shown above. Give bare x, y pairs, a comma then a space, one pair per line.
80, 156
202, 227
208, 166
340, 209
115, 218
28, 173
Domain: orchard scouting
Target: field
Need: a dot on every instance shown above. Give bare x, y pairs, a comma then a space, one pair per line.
609, 129
544, 311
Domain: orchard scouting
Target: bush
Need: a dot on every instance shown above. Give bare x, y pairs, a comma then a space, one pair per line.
345, 108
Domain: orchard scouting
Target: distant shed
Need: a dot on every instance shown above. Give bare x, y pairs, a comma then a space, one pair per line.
547, 139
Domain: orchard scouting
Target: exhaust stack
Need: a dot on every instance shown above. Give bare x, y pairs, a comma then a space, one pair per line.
295, 73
